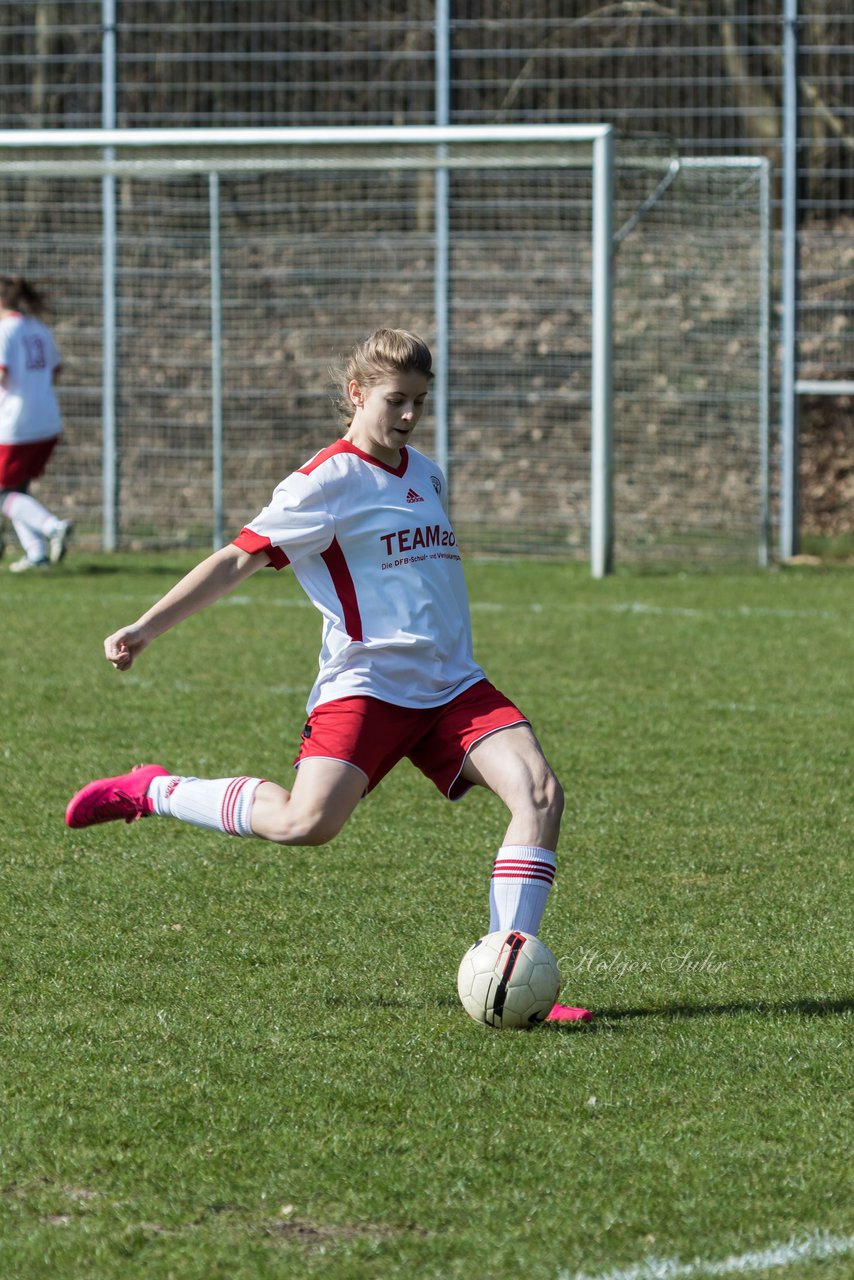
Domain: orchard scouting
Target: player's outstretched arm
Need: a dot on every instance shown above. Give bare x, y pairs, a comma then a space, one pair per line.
214, 577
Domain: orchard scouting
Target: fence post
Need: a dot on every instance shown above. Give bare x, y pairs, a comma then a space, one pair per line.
764, 363
442, 232
217, 478
789, 498
601, 441
109, 446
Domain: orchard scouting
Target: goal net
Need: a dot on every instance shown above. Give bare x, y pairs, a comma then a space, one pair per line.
201, 292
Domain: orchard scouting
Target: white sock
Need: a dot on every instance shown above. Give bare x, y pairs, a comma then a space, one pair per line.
217, 804
522, 876
32, 523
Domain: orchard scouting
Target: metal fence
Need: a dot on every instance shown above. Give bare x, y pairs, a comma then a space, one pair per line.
712, 79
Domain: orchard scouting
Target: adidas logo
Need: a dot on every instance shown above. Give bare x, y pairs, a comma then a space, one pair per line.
412, 496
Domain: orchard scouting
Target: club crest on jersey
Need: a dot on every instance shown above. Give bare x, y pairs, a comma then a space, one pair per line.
412, 496
436, 483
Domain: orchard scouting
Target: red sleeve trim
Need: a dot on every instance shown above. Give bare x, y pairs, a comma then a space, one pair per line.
256, 545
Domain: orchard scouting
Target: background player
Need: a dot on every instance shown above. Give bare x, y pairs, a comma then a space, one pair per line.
30, 421
364, 526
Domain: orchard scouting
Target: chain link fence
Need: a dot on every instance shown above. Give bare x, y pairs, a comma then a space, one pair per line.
709, 80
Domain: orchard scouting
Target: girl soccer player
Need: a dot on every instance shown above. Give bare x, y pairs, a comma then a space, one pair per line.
364, 526
30, 422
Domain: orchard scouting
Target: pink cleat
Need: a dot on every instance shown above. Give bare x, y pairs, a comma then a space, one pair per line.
108, 799
565, 1013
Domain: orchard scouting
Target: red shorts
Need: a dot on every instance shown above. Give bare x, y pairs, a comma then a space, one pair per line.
21, 463
375, 735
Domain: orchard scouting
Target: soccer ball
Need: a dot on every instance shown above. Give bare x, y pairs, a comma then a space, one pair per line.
508, 979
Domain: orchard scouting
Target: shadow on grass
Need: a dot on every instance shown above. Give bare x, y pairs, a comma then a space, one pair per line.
807, 1006
124, 569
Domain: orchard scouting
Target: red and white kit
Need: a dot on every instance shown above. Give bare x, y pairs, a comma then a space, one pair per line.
30, 426
373, 549
29, 409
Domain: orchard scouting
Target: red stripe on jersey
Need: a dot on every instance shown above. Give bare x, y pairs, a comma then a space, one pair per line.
255, 544
344, 446
342, 581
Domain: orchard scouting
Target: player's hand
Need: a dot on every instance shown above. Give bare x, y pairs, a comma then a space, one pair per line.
122, 647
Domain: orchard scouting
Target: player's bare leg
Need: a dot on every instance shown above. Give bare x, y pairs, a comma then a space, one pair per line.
511, 763
324, 795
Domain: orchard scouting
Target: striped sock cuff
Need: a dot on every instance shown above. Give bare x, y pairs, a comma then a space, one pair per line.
236, 808
524, 864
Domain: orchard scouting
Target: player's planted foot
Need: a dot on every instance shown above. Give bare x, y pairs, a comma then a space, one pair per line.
108, 799
566, 1013
25, 564
58, 542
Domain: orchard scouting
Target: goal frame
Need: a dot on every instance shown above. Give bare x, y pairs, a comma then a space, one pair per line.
112, 153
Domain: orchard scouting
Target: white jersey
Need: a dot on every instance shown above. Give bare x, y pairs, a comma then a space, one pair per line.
29, 359
373, 549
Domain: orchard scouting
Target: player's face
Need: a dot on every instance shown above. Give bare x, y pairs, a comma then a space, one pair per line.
386, 414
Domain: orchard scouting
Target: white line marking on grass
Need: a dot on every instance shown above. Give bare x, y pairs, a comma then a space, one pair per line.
489, 606
655, 610
190, 685
138, 600
741, 611
812, 1248
638, 606
283, 602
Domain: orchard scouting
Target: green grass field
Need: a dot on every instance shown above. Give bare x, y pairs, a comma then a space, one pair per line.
225, 1059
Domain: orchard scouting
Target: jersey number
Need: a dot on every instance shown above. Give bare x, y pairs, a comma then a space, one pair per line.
35, 353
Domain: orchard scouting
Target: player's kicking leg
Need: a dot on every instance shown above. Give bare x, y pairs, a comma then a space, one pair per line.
324, 795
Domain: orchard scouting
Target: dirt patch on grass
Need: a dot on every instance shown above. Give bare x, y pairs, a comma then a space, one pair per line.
315, 1235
